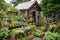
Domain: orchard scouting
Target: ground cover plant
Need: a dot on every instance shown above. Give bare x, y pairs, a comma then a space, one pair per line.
51, 36
14, 27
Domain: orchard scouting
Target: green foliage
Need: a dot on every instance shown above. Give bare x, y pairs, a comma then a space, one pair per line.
12, 20
17, 31
9, 12
13, 9
31, 27
53, 26
43, 28
50, 6
37, 33
30, 37
51, 36
3, 5
3, 23
58, 28
4, 33
2, 14
23, 20
42, 23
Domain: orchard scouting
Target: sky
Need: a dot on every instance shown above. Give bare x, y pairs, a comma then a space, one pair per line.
8, 1
37, 0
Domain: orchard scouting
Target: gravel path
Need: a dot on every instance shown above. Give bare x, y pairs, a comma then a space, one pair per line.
37, 38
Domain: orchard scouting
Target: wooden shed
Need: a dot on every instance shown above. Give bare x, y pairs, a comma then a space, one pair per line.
30, 11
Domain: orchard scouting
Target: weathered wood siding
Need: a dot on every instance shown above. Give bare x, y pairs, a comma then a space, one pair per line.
29, 11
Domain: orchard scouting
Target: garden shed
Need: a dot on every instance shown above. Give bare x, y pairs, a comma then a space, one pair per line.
30, 11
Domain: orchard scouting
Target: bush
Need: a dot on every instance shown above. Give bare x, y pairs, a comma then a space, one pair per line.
39, 33
17, 31
43, 28
58, 28
51, 36
31, 27
4, 33
42, 21
52, 27
27, 38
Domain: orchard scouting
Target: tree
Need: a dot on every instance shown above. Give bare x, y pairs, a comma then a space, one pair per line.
50, 6
5, 11
16, 2
2, 10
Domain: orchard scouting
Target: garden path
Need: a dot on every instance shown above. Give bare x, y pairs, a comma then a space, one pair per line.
36, 38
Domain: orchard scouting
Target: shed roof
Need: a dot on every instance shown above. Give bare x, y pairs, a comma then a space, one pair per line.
25, 5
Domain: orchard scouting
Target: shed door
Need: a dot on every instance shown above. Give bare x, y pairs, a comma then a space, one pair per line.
34, 15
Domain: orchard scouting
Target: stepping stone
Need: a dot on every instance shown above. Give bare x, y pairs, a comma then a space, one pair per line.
37, 38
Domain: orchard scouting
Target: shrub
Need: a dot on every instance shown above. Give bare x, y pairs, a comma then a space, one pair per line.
3, 23
27, 38
17, 31
51, 36
42, 20
43, 28
52, 27
58, 28
4, 33
38, 33
31, 27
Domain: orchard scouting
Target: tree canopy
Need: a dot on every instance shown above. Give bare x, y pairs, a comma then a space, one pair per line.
50, 6
7, 11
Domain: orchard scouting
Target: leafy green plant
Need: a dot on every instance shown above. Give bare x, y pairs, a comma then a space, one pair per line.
4, 33
51, 36
52, 27
17, 31
42, 23
3, 23
30, 37
49, 7
39, 33
31, 27
43, 28
58, 28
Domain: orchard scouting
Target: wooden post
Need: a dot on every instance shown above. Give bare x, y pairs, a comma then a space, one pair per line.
26, 15
37, 18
